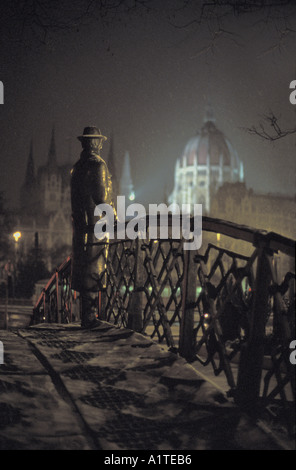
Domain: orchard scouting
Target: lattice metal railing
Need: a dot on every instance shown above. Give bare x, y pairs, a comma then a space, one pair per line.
120, 265
232, 301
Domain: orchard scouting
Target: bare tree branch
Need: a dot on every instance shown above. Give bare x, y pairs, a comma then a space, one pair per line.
215, 13
276, 132
216, 37
36, 20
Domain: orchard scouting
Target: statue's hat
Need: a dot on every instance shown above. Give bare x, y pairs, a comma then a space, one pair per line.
91, 132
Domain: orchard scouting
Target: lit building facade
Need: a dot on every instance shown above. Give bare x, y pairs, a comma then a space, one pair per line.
270, 212
44, 219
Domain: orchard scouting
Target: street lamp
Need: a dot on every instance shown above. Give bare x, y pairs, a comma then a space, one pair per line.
17, 236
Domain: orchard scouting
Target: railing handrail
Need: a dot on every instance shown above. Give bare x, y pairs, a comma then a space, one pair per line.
268, 239
272, 240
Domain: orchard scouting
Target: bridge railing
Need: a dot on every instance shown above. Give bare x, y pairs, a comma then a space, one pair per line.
231, 301
57, 303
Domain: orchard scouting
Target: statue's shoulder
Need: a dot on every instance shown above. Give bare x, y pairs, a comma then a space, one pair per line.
98, 166
96, 161
90, 163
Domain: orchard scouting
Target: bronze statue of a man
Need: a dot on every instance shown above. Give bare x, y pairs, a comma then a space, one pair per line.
90, 185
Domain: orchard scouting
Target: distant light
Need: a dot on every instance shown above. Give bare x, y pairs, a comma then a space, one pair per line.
132, 196
218, 237
17, 235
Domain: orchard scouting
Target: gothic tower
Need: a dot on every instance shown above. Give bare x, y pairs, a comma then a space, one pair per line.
113, 169
50, 179
28, 195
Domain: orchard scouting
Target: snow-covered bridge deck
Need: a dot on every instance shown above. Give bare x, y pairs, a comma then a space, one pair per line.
62, 387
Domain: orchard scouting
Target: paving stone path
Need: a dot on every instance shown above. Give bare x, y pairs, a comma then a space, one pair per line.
62, 387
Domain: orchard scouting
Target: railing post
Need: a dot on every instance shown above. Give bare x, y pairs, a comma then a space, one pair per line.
46, 307
252, 353
102, 303
186, 338
6, 318
135, 317
102, 293
58, 297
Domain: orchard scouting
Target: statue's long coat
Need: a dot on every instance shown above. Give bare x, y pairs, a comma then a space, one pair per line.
90, 185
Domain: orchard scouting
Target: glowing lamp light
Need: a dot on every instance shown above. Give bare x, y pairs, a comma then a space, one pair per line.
17, 236
132, 196
218, 237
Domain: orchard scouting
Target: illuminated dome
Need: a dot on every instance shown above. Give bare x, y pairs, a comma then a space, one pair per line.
207, 162
210, 143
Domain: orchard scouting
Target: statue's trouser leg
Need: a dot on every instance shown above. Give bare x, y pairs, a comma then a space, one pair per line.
92, 282
89, 307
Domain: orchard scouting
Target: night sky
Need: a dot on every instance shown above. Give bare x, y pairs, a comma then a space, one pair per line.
146, 78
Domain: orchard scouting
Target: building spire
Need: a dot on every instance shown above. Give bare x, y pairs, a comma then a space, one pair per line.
30, 170
126, 184
241, 172
28, 200
112, 168
209, 116
52, 157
